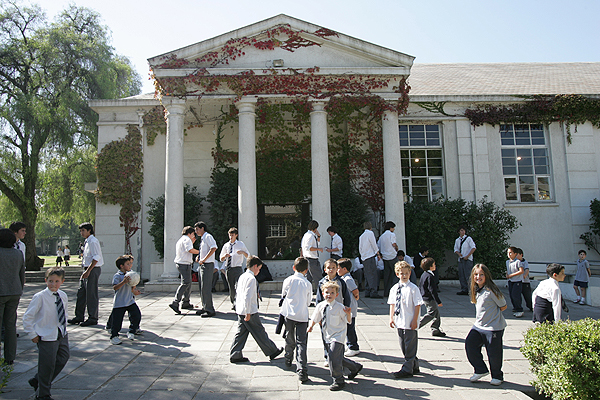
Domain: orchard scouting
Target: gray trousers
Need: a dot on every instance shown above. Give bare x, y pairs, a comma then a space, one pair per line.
8, 320
337, 361
232, 275
297, 337
257, 330
205, 277
185, 288
87, 295
389, 275
315, 272
52, 358
432, 314
371, 274
464, 273
409, 341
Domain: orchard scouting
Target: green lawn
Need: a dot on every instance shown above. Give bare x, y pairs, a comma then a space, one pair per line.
50, 261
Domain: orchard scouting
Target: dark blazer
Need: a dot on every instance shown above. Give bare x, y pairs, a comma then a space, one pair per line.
429, 287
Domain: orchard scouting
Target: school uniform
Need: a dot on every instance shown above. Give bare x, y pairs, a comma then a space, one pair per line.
352, 338
46, 317
297, 296
526, 285
246, 302
206, 272
428, 286
464, 245
343, 298
487, 331
515, 284
124, 301
386, 243
87, 294
405, 296
336, 243
233, 265
546, 299
581, 275
367, 248
184, 260
334, 323
315, 272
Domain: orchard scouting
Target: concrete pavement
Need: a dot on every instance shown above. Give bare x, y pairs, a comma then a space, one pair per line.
187, 357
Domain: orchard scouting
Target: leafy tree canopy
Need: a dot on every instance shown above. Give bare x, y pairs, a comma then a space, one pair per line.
48, 71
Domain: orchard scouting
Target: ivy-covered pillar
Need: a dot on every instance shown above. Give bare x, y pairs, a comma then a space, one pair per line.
247, 205
392, 176
321, 197
173, 183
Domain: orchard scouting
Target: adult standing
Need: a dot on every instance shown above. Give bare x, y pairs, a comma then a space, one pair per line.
310, 251
389, 251
232, 256
12, 271
20, 230
368, 250
206, 259
464, 247
87, 294
184, 254
337, 245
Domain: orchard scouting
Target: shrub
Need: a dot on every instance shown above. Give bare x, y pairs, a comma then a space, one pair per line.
5, 372
348, 212
565, 358
192, 209
590, 238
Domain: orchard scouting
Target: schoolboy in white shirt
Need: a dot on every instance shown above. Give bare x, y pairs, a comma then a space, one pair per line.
344, 267
547, 298
184, 258
206, 259
232, 255
405, 305
45, 322
297, 295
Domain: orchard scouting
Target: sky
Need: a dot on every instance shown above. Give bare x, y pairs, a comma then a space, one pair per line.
434, 31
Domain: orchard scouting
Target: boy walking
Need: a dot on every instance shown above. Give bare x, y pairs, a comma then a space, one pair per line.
514, 274
206, 259
297, 295
405, 305
334, 319
428, 286
526, 285
547, 298
45, 322
184, 253
124, 301
344, 267
582, 277
246, 307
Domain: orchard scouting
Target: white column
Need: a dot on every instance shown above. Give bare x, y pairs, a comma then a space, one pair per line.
173, 183
321, 197
247, 206
392, 176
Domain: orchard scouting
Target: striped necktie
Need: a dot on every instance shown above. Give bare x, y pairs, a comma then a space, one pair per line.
230, 255
398, 299
61, 313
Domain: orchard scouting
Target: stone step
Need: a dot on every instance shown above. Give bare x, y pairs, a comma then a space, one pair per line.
72, 274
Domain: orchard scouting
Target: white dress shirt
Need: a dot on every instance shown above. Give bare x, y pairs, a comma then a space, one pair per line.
237, 260
467, 246
367, 246
337, 243
386, 244
411, 297
182, 250
41, 317
309, 240
91, 252
550, 290
20, 246
246, 300
208, 242
336, 321
297, 291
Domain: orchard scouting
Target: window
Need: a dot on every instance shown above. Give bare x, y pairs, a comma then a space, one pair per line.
421, 162
276, 228
525, 163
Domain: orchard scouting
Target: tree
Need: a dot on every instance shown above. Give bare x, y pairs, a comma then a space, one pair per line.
48, 71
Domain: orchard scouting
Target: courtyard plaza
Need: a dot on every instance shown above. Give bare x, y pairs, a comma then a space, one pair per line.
187, 357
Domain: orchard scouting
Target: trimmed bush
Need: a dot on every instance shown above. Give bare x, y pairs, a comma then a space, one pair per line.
565, 358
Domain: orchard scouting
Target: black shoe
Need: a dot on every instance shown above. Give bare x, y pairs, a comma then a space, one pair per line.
402, 374
213, 290
9, 362
175, 307
74, 321
462, 293
33, 383
353, 374
416, 371
312, 304
238, 360
88, 322
233, 307
303, 377
187, 306
376, 295
277, 353
43, 398
208, 314
288, 362
337, 386
200, 312
438, 333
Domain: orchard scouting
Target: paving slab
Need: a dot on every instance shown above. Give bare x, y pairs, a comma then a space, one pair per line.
187, 357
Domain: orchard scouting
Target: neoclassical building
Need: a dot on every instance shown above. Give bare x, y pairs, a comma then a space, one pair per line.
529, 169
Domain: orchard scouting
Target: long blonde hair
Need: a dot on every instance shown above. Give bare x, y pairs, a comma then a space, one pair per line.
489, 283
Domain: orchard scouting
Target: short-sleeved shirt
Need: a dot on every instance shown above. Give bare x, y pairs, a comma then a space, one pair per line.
464, 245
334, 324
351, 285
513, 266
237, 260
525, 265
208, 243
182, 250
367, 246
337, 243
582, 275
386, 243
124, 295
309, 240
411, 297
488, 316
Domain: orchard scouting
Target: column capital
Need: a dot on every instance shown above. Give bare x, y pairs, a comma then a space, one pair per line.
173, 105
246, 104
317, 106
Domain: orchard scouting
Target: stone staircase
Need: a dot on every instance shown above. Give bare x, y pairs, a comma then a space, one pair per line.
72, 274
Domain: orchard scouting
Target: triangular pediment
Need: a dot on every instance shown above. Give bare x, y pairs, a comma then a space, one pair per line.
334, 51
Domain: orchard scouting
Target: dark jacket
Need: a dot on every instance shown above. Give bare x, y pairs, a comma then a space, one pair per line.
429, 287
